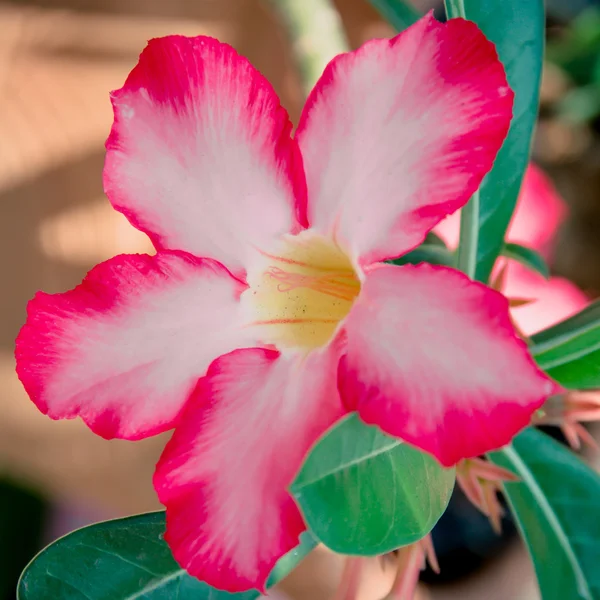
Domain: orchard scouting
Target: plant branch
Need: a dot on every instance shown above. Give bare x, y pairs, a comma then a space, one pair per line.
316, 34
469, 216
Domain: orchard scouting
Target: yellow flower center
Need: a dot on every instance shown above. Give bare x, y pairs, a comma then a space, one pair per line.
299, 294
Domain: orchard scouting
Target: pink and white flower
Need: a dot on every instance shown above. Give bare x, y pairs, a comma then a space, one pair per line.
267, 313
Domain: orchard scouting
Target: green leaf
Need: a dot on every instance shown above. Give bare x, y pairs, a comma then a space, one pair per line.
528, 257
433, 250
570, 351
517, 30
397, 13
364, 492
429, 253
556, 506
126, 559
435, 240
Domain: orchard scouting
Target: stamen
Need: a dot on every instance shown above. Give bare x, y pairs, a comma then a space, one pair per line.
301, 293
339, 284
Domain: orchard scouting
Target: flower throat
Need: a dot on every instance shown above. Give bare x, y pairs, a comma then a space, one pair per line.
300, 294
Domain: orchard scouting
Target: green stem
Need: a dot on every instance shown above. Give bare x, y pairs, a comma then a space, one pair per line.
469, 217
469, 236
316, 34
455, 8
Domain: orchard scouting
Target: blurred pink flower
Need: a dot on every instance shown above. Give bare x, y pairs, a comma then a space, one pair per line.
539, 213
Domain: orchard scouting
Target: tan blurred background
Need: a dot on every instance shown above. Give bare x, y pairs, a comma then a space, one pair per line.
58, 61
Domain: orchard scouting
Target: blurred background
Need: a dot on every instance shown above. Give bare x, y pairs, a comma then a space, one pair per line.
58, 61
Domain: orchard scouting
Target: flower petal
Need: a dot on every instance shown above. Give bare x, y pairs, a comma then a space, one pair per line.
554, 299
124, 349
224, 475
538, 214
433, 359
200, 155
400, 133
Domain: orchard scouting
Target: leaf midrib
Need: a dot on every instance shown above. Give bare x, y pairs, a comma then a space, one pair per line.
157, 585
553, 520
356, 461
563, 338
567, 358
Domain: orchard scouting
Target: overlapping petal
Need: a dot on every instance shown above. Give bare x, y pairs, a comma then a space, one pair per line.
124, 349
200, 155
432, 358
537, 217
539, 212
553, 300
400, 133
224, 475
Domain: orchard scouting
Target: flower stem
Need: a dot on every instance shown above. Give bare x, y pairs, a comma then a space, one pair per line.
315, 30
455, 8
469, 217
469, 236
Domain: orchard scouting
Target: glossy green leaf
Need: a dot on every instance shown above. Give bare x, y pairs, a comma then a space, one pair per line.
517, 29
556, 505
126, 559
527, 256
570, 351
364, 492
399, 14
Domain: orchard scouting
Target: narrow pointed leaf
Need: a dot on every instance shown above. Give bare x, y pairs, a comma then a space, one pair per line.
433, 250
435, 239
364, 492
585, 319
400, 14
517, 30
556, 507
429, 253
126, 559
570, 351
526, 256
